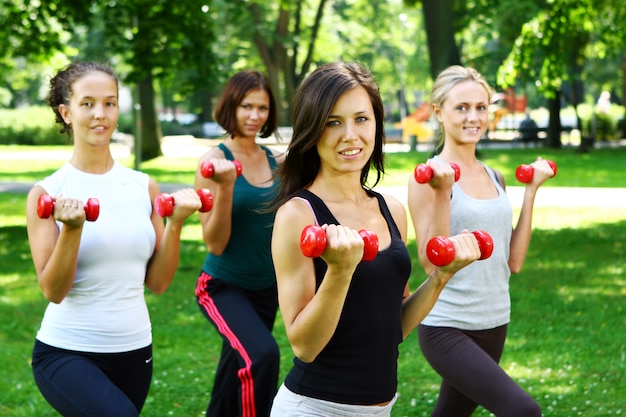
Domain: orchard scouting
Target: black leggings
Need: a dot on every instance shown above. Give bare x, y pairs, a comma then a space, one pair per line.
468, 363
93, 384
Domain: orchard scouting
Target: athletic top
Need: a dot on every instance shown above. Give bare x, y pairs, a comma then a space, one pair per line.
105, 311
359, 364
247, 259
477, 296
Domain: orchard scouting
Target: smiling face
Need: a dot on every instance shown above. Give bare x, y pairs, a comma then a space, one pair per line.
464, 114
348, 138
93, 108
252, 113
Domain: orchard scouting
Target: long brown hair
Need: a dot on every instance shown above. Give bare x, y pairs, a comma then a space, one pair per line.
313, 102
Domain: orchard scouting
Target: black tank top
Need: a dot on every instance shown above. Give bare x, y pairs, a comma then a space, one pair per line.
359, 364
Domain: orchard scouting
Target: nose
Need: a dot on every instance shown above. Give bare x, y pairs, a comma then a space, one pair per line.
351, 131
98, 112
254, 114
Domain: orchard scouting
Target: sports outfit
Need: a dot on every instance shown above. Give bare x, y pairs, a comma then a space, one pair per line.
236, 291
93, 349
358, 366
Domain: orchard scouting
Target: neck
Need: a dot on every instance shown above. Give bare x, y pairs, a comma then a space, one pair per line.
343, 187
242, 144
95, 160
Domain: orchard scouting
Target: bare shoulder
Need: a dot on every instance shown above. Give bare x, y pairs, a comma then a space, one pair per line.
213, 153
295, 210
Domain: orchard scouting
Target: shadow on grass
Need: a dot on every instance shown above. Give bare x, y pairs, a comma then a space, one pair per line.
566, 342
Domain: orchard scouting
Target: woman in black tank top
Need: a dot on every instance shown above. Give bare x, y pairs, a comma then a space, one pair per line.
344, 316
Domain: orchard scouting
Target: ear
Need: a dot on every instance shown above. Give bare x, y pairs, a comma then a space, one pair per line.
65, 114
437, 112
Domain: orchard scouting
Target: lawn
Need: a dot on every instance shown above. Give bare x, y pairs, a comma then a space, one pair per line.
567, 338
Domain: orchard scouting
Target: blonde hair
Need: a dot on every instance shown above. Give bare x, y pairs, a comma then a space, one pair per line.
446, 80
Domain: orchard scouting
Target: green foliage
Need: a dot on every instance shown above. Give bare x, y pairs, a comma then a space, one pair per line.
30, 126
601, 126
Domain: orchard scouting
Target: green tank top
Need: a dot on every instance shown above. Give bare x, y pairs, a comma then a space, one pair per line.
247, 260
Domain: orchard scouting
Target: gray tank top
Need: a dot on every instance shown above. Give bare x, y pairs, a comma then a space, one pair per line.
477, 297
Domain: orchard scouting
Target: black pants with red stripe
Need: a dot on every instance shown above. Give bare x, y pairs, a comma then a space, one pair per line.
246, 379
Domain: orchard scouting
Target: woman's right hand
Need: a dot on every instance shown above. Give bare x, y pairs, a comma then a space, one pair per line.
344, 247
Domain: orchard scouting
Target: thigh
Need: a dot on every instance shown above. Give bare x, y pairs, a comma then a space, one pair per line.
468, 364
75, 385
130, 371
235, 315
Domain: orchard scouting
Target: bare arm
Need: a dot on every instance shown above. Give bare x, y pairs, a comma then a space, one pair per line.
164, 261
520, 238
419, 303
217, 223
311, 316
54, 251
429, 206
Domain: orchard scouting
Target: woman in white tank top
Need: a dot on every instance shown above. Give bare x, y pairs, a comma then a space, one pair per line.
93, 351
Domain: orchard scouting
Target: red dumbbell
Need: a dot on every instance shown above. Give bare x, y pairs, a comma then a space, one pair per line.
45, 207
313, 242
440, 250
164, 203
424, 173
524, 173
207, 169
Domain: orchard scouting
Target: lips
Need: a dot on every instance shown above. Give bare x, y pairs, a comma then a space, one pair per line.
350, 152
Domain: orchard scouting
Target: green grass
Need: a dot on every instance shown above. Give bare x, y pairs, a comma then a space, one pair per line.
599, 168
566, 344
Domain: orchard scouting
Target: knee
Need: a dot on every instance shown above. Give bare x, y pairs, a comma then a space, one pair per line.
269, 353
527, 408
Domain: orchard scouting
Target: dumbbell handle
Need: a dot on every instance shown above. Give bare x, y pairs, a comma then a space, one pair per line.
424, 173
524, 173
440, 250
207, 170
313, 242
45, 207
164, 203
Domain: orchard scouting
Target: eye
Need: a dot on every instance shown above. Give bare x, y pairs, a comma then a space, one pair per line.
265, 108
245, 106
87, 104
361, 119
332, 123
462, 107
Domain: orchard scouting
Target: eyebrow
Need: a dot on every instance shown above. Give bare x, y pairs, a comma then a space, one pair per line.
357, 113
93, 98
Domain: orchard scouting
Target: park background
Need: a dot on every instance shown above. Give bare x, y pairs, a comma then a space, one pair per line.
552, 59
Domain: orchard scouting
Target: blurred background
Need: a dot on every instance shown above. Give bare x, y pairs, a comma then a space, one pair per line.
557, 65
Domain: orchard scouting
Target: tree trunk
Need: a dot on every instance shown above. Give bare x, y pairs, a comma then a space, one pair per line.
554, 125
442, 47
150, 127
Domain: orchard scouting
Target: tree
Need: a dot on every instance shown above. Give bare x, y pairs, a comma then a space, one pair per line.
284, 34
157, 39
439, 20
554, 47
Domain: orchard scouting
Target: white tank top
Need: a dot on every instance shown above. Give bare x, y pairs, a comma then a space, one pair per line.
105, 311
477, 297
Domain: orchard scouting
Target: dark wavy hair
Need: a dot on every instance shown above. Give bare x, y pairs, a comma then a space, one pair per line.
313, 102
238, 86
61, 87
